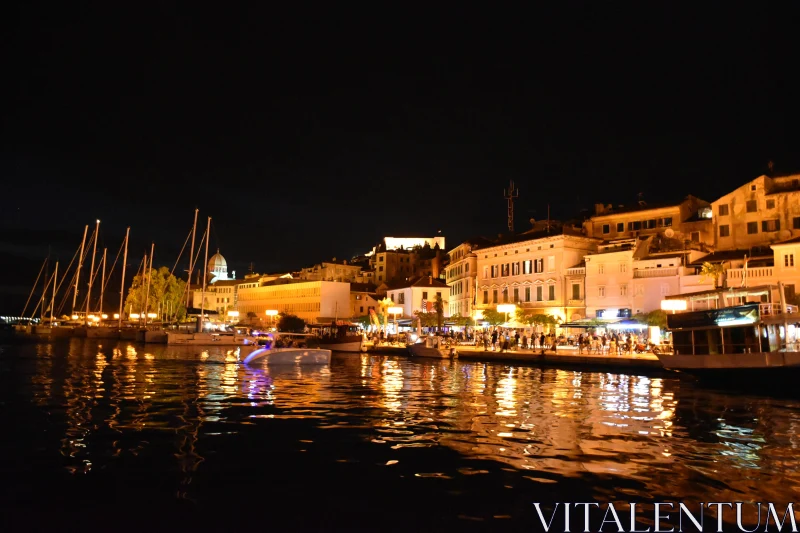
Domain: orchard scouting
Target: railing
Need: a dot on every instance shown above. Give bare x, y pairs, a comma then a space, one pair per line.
655, 272
575, 303
577, 271
758, 272
775, 309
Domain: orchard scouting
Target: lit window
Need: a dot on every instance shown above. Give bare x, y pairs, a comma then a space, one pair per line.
723, 210
788, 260
770, 204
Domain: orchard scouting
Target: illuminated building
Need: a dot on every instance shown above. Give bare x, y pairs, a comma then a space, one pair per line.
313, 301
461, 275
418, 294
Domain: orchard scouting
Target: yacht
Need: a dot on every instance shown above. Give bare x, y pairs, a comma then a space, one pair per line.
432, 346
752, 342
209, 339
290, 350
340, 337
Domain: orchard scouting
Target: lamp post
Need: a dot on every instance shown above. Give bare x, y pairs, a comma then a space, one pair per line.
395, 311
271, 313
506, 308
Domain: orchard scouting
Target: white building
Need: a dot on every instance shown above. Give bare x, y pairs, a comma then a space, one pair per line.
537, 272
461, 276
418, 294
313, 301
218, 269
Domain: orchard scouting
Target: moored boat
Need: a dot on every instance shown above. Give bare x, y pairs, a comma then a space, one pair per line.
258, 354
748, 344
338, 336
209, 339
434, 347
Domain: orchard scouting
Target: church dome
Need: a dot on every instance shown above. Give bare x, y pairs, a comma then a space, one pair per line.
217, 264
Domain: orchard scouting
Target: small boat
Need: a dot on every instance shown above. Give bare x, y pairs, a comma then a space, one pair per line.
338, 336
273, 351
209, 339
102, 332
741, 345
432, 347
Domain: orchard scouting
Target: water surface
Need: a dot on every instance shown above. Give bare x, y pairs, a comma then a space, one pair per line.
111, 436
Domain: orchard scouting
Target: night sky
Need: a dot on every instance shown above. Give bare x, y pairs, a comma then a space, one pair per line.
312, 134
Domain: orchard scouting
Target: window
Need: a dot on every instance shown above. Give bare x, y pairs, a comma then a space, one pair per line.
527, 267
771, 225
601, 292
601, 269
466, 267
623, 290
539, 293
485, 272
576, 291
425, 295
606, 229
551, 263
725, 230
723, 210
788, 260
380, 258
620, 227
504, 270
796, 223
516, 295
515, 269
752, 187
485, 297
770, 204
752, 206
495, 271
505, 295
634, 226
623, 267
599, 313
695, 236
401, 298
494, 296
665, 222
380, 269
538, 265
752, 228
527, 294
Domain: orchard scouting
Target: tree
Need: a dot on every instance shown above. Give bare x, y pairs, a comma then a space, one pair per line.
290, 323
653, 318
459, 320
438, 308
385, 304
713, 271
166, 295
426, 320
494, 318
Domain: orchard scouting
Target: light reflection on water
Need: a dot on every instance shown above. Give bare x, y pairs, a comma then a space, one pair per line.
623, 437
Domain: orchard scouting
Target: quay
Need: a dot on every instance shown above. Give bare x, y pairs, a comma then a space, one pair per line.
560, 358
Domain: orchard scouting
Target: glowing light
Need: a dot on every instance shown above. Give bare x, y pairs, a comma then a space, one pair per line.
395, 310
151, 315
116, 315
74, 317
135, 316
506, 308
271, 312
104, 316
673, 305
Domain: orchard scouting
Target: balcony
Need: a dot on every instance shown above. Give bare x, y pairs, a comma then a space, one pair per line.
762, 274
656, 272
775, 309
578, 271
576, 303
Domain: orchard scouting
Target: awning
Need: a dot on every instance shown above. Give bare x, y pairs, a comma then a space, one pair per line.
578, 325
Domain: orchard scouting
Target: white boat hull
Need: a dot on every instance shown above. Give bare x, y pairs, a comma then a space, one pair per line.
421, 350
207, 339
354, 346
286, 356
739, 361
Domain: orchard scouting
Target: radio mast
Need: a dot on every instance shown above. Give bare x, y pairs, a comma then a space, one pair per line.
510, 194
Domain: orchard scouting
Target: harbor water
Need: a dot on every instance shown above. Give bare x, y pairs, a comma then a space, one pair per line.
115, 436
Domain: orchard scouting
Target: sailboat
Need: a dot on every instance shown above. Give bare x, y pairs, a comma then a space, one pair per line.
203, 338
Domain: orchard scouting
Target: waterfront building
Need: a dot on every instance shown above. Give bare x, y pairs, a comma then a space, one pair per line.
333, 270
402, 264
688, 222
218, 268
363, 298
461, 275
631, 276
408, 243
761, 212
534, 270
313, 301
418, 294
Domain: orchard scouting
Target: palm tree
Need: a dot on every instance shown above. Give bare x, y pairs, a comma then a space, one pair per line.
438, 307
713, 271
385, 304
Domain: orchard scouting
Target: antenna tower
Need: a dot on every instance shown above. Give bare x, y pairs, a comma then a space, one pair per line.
510, 194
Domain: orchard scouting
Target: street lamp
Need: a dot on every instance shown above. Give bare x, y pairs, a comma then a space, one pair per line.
271, 313
395, 311
506, 308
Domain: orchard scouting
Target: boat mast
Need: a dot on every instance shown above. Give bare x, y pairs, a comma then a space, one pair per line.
149, 277
205, 270
46, 286
78, 272
53, 300
91, 273
144, 267
122, 286
191, 263
103, 283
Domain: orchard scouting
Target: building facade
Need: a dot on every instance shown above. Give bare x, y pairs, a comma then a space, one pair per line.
461, 276
534, 273
418, 295
334, 270
313, 301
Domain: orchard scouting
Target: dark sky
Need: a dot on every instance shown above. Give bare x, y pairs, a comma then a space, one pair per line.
312, 134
